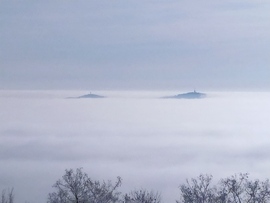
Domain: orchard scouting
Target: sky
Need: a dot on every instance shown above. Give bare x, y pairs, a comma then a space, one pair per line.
153, 44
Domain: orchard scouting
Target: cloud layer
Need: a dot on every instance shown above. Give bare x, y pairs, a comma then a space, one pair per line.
150, 142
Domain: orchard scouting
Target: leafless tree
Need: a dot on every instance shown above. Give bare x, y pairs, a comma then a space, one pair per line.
235, 189
7, 196
142, 196
258, 192
239, 189
198, 190
77, 187
104, 192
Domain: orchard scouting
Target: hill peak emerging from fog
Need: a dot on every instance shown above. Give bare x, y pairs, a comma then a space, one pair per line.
188, 95
90, 96
87, 96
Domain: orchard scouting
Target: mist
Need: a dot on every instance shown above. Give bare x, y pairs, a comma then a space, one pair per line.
150, 142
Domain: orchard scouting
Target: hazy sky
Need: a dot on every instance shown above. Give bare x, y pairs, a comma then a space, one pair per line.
128, 44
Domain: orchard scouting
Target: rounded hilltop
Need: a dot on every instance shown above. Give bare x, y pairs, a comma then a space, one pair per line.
188, 95
90, 95
87, 96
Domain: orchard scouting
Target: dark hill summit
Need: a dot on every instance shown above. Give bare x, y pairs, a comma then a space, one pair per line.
90, 96
188, 95
87, 96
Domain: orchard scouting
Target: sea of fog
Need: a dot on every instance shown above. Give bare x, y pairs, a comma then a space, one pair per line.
151, 143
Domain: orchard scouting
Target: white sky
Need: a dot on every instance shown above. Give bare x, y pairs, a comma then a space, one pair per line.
134, 44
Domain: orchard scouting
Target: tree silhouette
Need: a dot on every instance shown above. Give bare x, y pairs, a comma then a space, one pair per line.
235, 189
7, 196
142, 196
77, 187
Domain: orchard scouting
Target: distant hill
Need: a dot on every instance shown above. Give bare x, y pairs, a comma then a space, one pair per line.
188, 95
87, 96
90, 96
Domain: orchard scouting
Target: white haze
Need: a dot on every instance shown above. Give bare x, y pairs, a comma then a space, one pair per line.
151, 143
